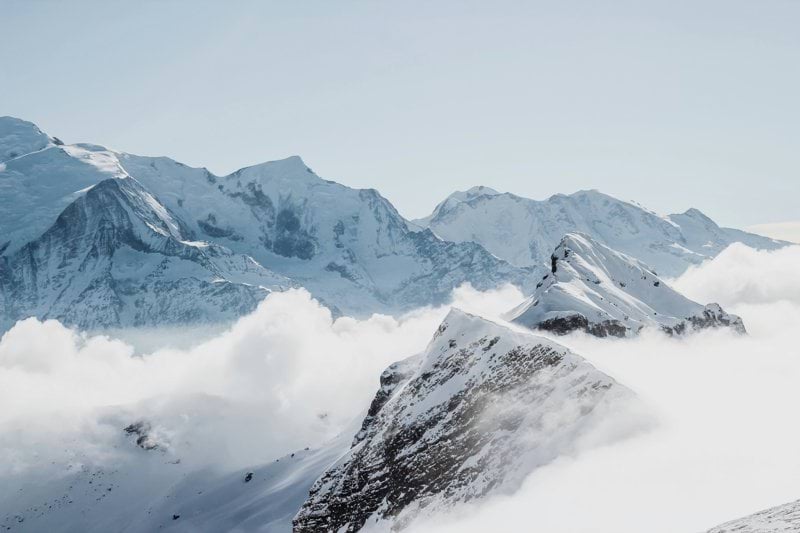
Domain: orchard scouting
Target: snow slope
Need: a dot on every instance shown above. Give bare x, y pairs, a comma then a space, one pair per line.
117, 257
524, 231
781, 519
146, 483
472, 415
601, 291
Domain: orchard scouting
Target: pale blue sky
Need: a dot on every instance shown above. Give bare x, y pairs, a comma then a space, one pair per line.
674, 104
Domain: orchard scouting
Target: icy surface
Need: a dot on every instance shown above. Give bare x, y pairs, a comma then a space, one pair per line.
596, 289
524, 231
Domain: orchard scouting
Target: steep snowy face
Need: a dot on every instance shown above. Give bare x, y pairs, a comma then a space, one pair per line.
19, 137
781, 519
349, 247
604, 292
118, 257
524, 231
477, 411
35, 188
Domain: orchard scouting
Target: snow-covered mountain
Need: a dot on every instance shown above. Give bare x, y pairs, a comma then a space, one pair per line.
781, 519
524, 231
349, 247
598, 290
472, 415
200, 247
117, 257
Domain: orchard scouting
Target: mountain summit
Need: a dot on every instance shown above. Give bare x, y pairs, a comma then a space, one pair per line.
480, 409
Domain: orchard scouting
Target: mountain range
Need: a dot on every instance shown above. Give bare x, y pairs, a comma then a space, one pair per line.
99, 238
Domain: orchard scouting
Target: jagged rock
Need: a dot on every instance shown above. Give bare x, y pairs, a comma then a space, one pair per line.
145, 440
456, 423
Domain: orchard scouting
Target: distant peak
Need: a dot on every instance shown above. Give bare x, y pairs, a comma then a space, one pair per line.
696, 213
19, 137
473, 192
292, 166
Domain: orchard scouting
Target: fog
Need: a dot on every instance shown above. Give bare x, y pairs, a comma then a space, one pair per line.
285, 377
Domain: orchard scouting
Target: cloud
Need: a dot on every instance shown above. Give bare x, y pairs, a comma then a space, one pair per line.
742, 275
726, 444
285, 377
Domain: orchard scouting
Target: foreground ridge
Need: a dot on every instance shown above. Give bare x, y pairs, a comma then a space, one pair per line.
474, 414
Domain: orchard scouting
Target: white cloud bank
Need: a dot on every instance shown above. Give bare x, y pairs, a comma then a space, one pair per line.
728, 438
726, 445
285, 377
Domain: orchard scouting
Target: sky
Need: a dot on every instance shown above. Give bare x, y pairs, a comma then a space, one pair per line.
674, 104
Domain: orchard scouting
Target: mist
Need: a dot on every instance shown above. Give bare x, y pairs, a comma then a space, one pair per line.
285, 377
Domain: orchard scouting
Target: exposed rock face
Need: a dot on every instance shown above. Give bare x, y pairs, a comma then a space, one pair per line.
600, 291
472, 415
781, 519
142, 431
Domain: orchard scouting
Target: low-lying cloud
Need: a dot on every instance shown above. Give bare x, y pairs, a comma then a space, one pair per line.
289, 376
285, 377
726, 444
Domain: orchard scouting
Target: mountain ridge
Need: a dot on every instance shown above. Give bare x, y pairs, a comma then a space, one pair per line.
600, 291
524, 231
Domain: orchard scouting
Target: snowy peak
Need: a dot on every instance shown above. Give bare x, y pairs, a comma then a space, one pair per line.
464, 419
19, 137
292, 167
598, 290
349, 247
118, 257
453, 200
